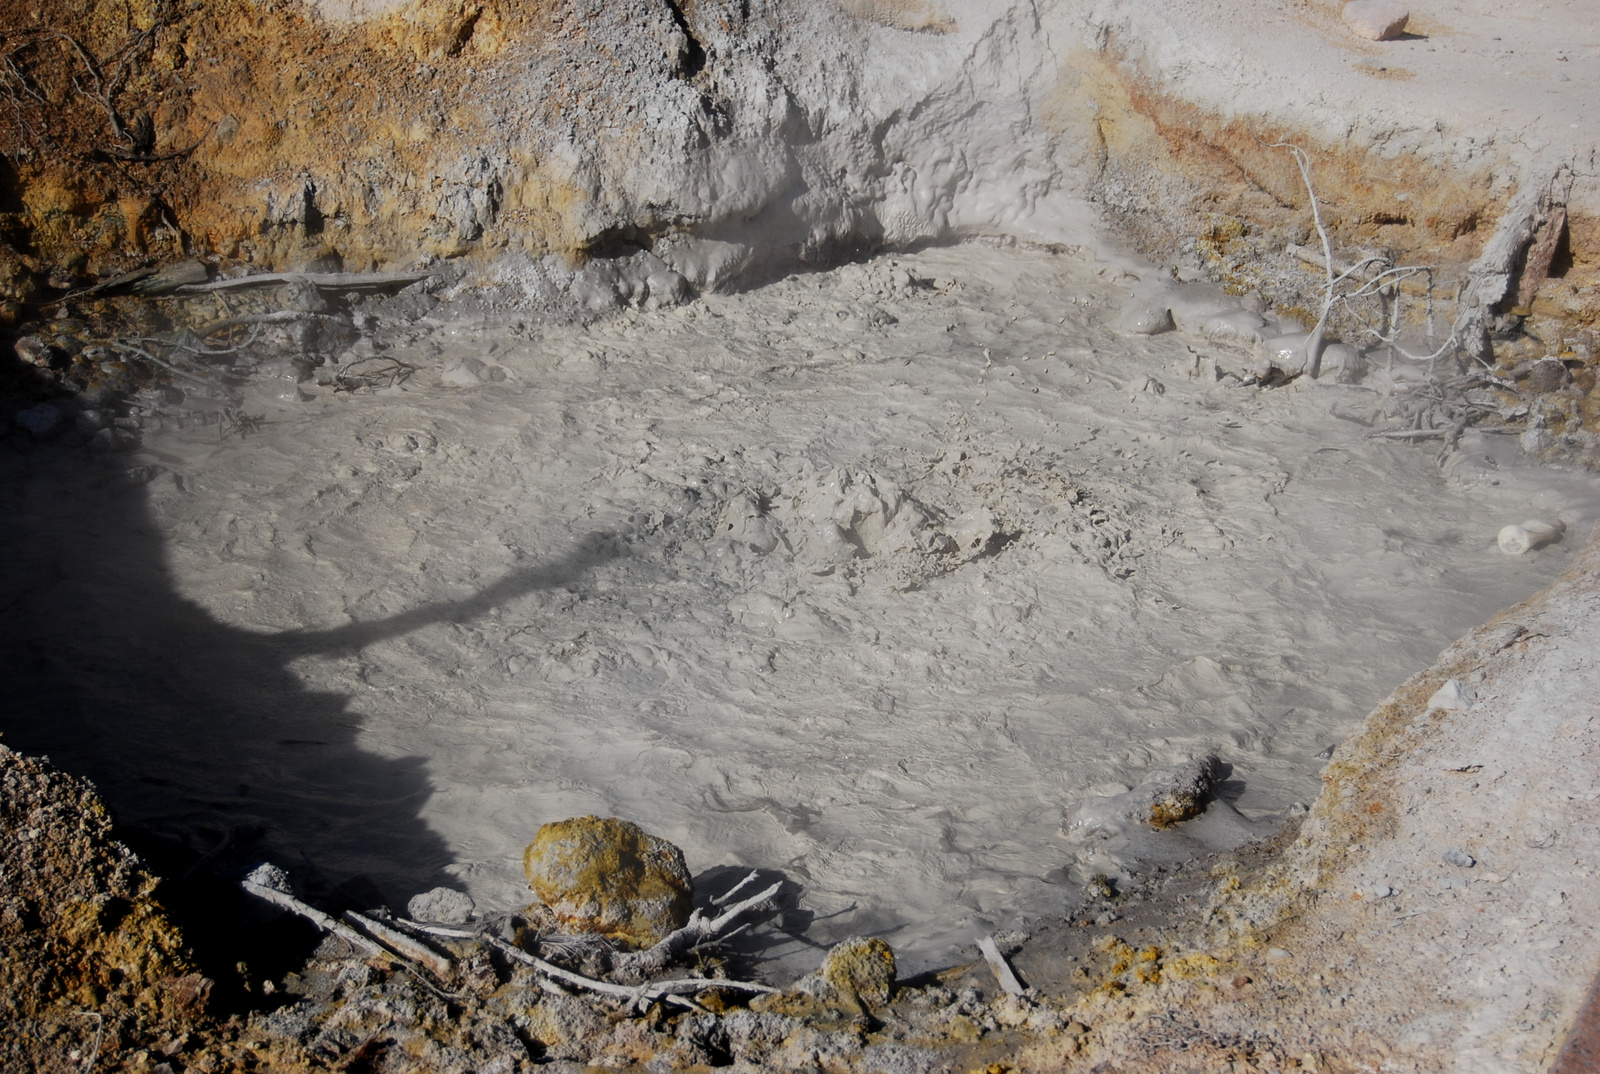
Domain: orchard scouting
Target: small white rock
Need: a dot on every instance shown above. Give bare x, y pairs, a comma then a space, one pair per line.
467, 373
1144, 316
1535, 441
1451, 696
1376, 20
446, 906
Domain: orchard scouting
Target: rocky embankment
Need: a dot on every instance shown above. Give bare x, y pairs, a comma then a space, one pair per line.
715, 141
91, 963
576, 157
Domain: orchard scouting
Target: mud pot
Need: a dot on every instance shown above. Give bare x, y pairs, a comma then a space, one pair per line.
869, 577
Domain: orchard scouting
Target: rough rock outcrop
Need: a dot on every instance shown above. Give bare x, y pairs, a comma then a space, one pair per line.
89, 960
735, 141
862, 970
610, 877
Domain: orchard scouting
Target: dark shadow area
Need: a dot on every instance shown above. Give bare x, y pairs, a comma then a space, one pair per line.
211, 753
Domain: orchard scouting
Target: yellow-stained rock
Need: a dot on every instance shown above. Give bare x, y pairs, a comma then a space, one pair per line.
862, 969
611, 877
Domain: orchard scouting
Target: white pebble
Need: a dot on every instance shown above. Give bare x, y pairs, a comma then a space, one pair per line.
1376, 20
1453, 695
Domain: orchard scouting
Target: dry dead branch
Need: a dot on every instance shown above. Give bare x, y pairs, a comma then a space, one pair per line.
275, 317
700, 929
336, 282
1378, 276
636, 995
285, 901
418, 952
1533, 213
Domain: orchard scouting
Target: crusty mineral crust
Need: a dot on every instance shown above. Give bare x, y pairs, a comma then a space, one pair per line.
86, 950
610, 877
861, 969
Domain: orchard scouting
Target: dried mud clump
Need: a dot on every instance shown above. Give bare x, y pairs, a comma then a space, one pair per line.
1180, 793
610, 877
91, 967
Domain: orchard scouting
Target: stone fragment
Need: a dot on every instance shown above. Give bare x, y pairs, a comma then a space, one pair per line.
1286, 354
564, 1026
1234, 326
1176, 794
1452, 696
1547, 375
1458, 857
1376, 20
1167, 797
35, 351
466, 373
1535, 441
41, 420
446, 906
610, 877
861, 969
1145, 315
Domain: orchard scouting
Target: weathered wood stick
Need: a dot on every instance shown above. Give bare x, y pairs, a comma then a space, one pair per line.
444, 931
652, 990
283, 900
276, 317
437, 964
1409, 434
697, 931
1002, 969
727, 896
327, 281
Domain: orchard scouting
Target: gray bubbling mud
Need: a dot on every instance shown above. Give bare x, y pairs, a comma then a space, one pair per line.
869, 576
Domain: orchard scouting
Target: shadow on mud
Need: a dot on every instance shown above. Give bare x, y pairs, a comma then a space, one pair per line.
210, 751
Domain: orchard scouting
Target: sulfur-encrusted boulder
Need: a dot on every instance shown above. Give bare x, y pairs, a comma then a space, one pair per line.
862, 970
610, 877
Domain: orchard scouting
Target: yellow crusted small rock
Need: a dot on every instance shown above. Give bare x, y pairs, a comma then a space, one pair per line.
861, 969
610, 877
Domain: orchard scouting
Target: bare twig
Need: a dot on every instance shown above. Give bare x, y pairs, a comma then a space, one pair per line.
1407, 434
1314, 343
286, 901
163, 363
727, 896
439, 965
99, 1035
633, 993
349, 935
339, 282
442, 931
1387, 281
698, 930
275, 317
